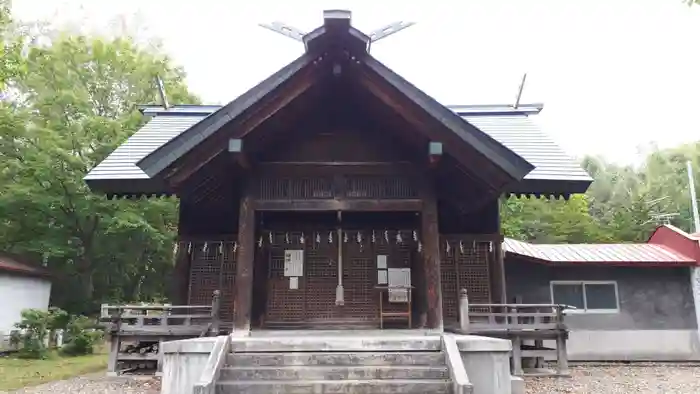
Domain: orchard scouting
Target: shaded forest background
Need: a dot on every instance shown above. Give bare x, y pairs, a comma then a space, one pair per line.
67, 100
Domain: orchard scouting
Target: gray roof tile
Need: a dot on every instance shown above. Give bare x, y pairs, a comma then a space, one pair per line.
121, 164
520, 134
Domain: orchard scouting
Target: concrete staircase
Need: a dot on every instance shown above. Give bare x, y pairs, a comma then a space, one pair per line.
333, 365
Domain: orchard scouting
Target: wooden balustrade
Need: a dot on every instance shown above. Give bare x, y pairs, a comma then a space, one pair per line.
520, 323
136, 331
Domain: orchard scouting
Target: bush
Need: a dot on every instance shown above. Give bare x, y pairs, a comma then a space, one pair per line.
80, 336
31, 339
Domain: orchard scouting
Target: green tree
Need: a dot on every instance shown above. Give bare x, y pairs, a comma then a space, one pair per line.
543, 220
77, 104
11, 62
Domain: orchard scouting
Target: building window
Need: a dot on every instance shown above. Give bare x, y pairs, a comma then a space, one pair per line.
585, 296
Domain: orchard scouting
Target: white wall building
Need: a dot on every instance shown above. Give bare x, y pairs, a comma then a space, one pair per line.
22, 286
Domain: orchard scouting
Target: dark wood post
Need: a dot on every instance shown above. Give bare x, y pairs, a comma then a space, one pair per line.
431, 256
180, 285
499, 273
498, 269
243, 300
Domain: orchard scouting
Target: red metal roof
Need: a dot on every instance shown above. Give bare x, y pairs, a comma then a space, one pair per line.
609, 254
9, 263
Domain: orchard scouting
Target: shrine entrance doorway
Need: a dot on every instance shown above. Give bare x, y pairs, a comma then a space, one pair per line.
331, 270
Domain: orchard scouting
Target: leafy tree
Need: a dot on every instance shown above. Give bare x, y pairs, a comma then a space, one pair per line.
548, 221
77, 104
11, 62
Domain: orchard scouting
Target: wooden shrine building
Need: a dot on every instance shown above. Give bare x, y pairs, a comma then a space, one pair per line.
337, 194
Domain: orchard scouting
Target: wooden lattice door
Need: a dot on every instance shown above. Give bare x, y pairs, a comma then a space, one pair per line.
465, 264
212, 267
310, 297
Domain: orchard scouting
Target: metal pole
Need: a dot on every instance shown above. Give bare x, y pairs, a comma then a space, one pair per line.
520, 91
693, 198
694, 271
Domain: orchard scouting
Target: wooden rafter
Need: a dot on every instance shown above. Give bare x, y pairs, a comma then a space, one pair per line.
209, 149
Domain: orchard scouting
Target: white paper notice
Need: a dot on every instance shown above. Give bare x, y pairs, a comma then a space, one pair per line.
293, 263
294, 283
381, 261
401, 278
382, 277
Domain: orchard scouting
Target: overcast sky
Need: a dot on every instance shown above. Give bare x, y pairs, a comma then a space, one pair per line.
613, 74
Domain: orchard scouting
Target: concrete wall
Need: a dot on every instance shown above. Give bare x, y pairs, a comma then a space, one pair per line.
183, 364
656, 320
18, 293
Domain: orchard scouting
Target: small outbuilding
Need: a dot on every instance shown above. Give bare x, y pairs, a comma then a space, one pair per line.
632, 301
23, 285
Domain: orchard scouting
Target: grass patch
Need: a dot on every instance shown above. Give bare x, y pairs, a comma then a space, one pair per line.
16, 373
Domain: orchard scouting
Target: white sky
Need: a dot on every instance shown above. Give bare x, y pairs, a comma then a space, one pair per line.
613, 74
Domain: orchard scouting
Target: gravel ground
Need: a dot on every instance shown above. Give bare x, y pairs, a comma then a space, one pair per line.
585, 379
622, 379
97, 384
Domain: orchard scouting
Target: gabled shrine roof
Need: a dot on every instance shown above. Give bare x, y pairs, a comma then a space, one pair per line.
513, 128
494, 145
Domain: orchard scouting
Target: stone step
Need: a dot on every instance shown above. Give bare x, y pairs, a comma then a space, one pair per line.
335, 358
336, 387
338, 344
330, 372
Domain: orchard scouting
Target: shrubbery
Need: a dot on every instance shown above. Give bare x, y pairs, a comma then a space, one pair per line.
37, 333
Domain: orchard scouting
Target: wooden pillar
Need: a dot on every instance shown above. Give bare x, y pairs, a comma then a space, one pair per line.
243, 301
562, 355
180, 281
498, 274
517, 355
431, 257
498, 270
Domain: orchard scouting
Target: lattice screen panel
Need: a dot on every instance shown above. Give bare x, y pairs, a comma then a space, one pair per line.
321, 280
228, 280
465, 263
381, 187
351, 186
359, 280
399, 256
284, 305
273, 188
212, 267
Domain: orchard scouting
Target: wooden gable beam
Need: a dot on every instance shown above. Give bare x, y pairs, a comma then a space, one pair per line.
209, 149
490, 174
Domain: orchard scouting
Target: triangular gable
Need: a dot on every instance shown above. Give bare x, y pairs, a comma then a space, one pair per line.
462, 132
